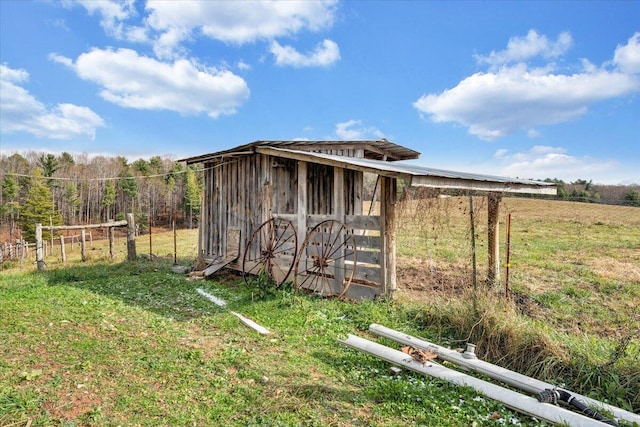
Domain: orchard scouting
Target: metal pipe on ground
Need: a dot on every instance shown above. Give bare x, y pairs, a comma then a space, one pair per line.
519, 402
469, 362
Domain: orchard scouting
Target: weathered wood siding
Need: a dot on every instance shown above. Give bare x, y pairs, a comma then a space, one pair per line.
245, 191
237, 195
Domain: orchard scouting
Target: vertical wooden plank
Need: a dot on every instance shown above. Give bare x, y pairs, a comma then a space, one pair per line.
339, 212
112, 235
39, 249
217, 213
253, 194
493, 210
266, 190
83, 245
388, 234
358, 191
131, 237
242, 209
302, 207
338, 194
62, 250
227, 209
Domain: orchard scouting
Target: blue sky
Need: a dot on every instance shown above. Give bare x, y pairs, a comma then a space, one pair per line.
523, 89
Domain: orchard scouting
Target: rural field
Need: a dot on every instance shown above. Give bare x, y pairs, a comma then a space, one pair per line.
110, 343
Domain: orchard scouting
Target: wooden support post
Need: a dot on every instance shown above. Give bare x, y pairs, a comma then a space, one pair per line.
388, 234
338, 211
131, 238
175, 244
39, 251
83, 246
51, 237
23, 251
302, 207
493, 210
62, 250
112, 232
474, 258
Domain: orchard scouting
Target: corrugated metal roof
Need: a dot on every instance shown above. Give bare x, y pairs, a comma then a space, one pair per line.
380, 149
420, 175
375, 151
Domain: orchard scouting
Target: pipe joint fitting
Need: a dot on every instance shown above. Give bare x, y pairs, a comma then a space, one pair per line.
470, 352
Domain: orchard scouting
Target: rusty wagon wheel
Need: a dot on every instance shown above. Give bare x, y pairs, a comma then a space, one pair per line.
326, 262
272, 249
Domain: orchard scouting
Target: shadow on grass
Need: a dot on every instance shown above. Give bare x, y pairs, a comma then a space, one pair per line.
148, 284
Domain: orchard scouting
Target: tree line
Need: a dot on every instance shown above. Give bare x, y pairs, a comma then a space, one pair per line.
78, 189
582, 190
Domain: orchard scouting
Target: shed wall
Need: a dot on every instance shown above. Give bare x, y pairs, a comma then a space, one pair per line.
245, 191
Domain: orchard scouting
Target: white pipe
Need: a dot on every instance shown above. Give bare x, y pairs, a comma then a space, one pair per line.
519, 402
250, 323
515, 379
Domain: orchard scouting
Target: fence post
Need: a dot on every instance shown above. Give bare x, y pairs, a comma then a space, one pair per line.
64, 253
39, 251
493, 229
131, 237
83, 246
111, 238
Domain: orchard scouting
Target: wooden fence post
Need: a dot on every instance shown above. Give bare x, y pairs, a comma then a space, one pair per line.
388, 190
83, 246
493, 208
39, 251
112, 233
131, 237
64, 253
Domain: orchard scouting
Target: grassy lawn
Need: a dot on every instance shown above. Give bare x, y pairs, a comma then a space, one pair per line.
116, 343
134, 344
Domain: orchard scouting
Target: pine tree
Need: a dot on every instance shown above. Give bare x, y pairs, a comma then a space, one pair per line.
129, 187
38, 208
108, 198
72, 202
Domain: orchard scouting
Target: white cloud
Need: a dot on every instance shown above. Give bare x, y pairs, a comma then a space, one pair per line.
112, 13
515, 97
140, 82
22, 112
324, 55
627, 57
550, 162
523, 48
236, 22
353, 130
243, 66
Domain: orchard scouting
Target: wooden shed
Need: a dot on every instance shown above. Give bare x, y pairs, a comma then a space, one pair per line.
294, 210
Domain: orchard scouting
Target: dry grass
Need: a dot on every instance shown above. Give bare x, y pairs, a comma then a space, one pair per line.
573, 314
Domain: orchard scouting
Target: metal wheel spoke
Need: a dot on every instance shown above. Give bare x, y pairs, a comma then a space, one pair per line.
326, 249
272, 239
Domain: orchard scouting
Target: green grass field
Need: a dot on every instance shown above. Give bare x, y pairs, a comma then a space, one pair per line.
118, 343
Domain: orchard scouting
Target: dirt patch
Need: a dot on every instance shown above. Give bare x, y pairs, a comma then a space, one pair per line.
424, 275
75, 403
527, 305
